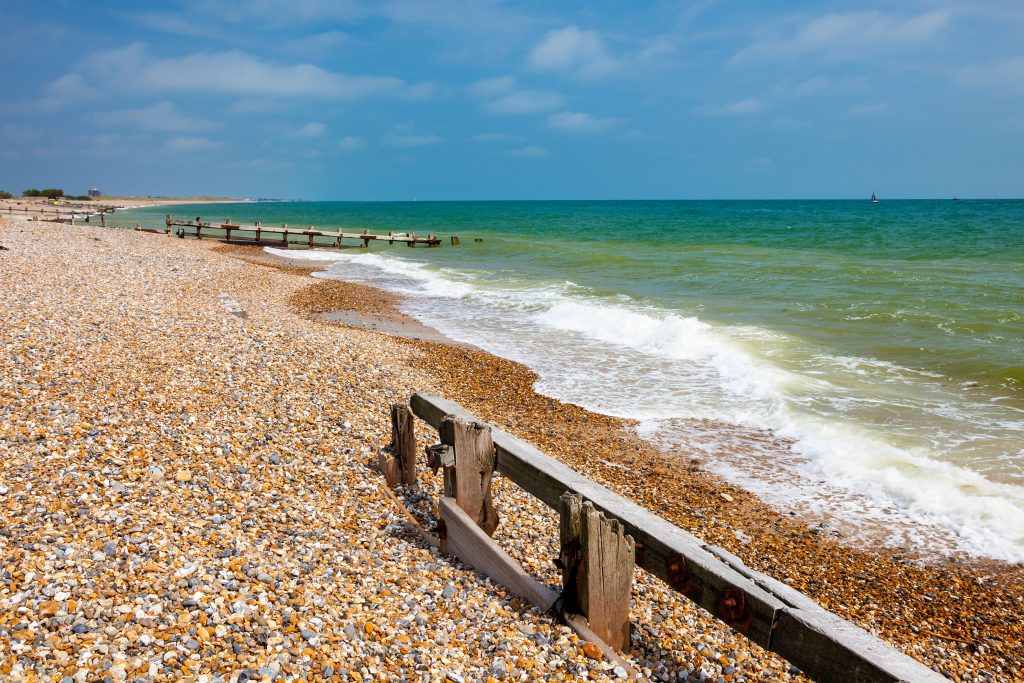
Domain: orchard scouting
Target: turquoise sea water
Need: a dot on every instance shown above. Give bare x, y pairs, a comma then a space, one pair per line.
880, 345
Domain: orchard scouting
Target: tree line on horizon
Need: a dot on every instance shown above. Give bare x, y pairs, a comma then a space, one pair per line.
49, 193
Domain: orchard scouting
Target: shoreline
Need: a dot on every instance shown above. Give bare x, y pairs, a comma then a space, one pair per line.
960, 617
763, 440
501, 392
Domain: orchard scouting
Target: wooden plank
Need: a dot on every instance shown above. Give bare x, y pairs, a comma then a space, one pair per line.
403, 442
780, 618
695, 572
468, 542
389, 468
464, 538
597, 565
474, 464
410, 239
832, 650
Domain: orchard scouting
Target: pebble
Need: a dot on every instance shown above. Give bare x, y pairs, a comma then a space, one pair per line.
168, 414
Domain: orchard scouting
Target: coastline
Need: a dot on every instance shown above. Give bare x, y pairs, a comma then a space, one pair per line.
868, 586
961, 617
130, 202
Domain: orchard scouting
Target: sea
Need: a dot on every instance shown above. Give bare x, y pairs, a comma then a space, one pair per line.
859, 364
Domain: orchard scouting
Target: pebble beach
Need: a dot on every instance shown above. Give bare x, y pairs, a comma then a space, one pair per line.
189, 493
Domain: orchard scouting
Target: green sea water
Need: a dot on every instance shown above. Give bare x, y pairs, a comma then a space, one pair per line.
884, 341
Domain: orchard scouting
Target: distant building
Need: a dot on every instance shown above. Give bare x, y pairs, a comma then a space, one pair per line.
94, 192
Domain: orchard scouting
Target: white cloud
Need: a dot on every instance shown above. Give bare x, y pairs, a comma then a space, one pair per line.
573, 51
580, 122
191, 144
316, 44
790, 122
526, 102
820, 84
751, 105
251, 105
313, 129
168, 22
277, 13
1007, 74
410, 140
868, 108
528, 151
811, 85
162, 116
236, 72
351, 142
495, 137
852, 35
491, 87
69, 87
420, 91
220, 73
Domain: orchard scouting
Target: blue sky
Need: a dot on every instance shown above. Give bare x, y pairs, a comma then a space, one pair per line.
405, 99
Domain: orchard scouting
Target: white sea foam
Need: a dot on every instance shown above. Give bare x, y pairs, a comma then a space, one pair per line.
622, 358
304, 254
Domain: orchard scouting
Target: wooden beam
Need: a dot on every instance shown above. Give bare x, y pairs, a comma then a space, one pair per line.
765, 610
410, 239
597, 569
388, 466
695, 571
469, 480
403, 444
464, 539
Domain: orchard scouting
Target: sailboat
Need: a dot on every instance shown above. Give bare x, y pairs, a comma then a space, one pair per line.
874, 199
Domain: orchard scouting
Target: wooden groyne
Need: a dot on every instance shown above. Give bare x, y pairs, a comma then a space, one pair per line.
603, 535
35, 207
64, 212
286, 236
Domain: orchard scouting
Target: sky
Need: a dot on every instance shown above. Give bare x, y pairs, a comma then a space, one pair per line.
408, 99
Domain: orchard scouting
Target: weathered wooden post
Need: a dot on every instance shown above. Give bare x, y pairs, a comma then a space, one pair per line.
468, 479
398, 461
597, 560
